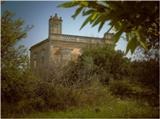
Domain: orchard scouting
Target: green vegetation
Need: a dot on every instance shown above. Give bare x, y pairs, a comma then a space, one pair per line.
113, 108
16, 78
94, 86
102, 83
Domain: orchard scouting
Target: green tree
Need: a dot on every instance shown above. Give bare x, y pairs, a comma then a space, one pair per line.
13, 30
105, 62
14, 60
139, 20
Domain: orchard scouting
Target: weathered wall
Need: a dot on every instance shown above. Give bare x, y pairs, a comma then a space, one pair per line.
69, 47
39, 59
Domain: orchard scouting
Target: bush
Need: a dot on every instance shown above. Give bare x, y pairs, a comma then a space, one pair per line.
121, 88
146, 73
105, 61
80, 83
16, 93
56, 97
101, 62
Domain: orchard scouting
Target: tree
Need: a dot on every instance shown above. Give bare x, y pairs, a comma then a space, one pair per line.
14, 60
13, 30
105, 62
139, 20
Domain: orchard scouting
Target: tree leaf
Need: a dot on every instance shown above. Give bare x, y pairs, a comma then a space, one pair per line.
101, 25
110, 28
117, 36
119, 33
84, 3
86, 21
94, 15
141, 39
87, 12
69, 4
132, 44
97, 21
77, 12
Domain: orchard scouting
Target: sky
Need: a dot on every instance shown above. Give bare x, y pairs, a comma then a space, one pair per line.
37, 13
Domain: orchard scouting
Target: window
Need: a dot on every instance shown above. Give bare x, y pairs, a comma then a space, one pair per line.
66, 54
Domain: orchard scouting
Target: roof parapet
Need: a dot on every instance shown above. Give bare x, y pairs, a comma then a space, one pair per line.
55, 17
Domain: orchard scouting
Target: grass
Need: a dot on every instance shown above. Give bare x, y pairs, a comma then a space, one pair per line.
115, 108
93, 102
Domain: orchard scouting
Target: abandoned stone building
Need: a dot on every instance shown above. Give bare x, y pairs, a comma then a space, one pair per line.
59, 48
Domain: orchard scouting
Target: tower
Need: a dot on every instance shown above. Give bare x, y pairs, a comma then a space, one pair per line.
55, 25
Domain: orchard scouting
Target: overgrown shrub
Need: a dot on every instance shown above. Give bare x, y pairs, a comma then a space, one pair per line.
104, 60
146, 72
17, 90
121, 88
56, 97
80, 83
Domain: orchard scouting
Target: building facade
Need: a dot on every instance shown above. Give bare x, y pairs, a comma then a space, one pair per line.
59, 48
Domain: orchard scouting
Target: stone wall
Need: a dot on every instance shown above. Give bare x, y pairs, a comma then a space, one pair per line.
59, 49
39, 59
77, 39
69, 47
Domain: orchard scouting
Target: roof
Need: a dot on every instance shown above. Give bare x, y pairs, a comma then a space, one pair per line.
40, 43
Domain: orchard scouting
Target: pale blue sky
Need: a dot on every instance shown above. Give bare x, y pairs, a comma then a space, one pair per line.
37, 13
